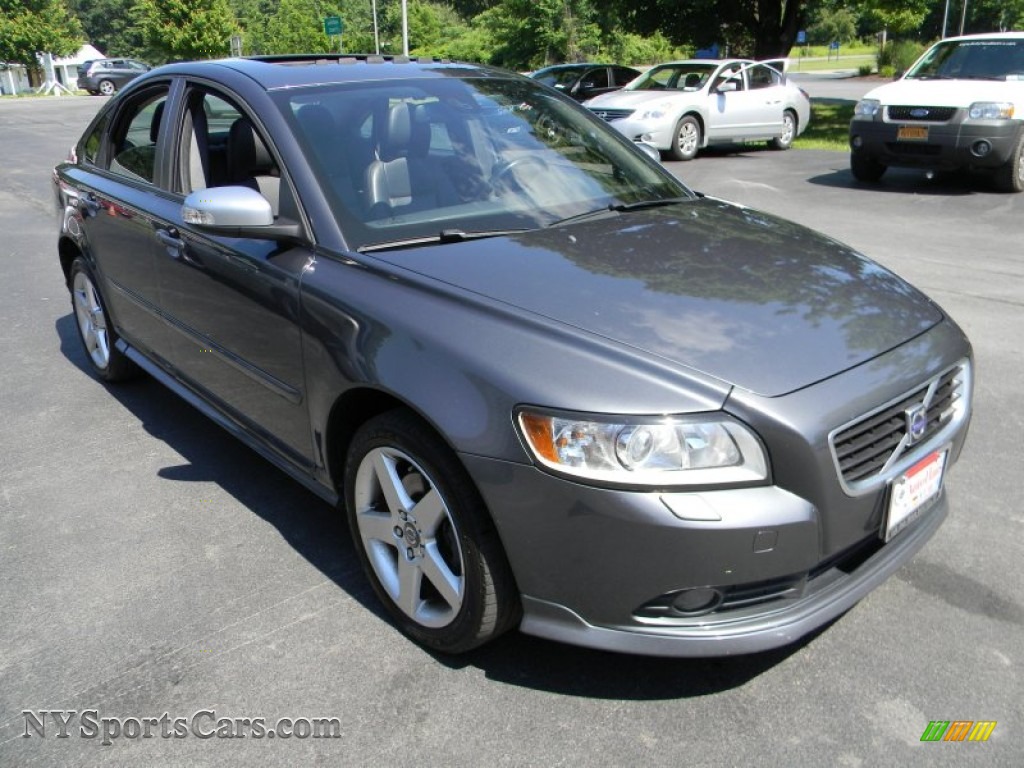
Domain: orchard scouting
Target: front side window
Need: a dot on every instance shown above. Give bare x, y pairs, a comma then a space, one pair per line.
135, 136
401, 160
220, 147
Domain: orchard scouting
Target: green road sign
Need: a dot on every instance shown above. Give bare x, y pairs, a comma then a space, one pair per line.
333, 25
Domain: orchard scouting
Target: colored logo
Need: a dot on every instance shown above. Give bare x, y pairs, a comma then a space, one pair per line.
958, 730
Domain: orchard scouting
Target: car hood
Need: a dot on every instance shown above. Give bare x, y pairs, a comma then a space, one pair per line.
625, 99
756, 301
946, 93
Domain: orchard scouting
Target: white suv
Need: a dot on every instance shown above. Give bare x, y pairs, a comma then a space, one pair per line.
961, 105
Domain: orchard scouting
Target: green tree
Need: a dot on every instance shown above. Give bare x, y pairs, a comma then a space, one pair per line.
186, 29
31, 27
111, 26
896, 17
297, 27
832, 21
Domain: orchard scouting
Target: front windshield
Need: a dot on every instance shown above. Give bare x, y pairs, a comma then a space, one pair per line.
406, 159
972, 60
685, 76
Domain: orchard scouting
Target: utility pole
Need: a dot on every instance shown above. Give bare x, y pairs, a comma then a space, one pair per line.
405, 27
377, 34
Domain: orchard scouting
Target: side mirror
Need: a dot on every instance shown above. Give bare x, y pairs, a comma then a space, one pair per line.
647, 149
725, 87
236, 212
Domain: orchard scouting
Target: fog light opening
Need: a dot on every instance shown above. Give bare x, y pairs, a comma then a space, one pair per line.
981, 148
856, 142
697, 601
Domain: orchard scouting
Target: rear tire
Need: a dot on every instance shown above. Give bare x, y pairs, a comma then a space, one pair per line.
865, 168
95, 331
789, 129
424, 537
1010, 176
107, 87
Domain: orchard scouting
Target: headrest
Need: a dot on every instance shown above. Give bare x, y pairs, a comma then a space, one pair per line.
394, 142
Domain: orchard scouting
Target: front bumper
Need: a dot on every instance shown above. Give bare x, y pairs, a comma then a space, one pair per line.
949, 146
831, 594
588, 561
658, 133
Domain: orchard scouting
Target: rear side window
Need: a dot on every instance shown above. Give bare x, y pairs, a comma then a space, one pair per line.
89, 149
135, 136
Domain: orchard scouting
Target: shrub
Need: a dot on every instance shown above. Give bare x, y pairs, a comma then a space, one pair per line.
898, 56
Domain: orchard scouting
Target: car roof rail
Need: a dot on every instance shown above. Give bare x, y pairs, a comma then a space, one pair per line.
346, 58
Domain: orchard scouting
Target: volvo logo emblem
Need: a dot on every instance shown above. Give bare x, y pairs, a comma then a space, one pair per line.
917, 422
919, 112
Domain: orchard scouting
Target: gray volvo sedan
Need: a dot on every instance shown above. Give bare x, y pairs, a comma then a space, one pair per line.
551, 387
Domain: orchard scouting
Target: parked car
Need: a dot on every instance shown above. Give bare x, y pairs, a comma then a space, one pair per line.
105, 76
960, 106
585, 81
684, 106
550, 386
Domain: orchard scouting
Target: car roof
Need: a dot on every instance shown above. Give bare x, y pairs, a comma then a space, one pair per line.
712, 62
278, 72
579, 65
985, 36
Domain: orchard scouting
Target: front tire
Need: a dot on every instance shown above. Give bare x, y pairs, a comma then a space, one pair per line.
1009, 177
95, 330
687, 139
424, 537
865, 168
789, 129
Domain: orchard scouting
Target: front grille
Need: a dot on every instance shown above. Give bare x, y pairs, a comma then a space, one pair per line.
865, 449
611, 114
922, 114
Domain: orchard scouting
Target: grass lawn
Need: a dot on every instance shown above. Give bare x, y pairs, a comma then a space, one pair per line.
830, 125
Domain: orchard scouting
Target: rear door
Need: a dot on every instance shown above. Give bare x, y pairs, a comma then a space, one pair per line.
118, 184
745, 102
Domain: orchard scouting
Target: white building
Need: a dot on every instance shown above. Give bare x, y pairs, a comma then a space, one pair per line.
14, 77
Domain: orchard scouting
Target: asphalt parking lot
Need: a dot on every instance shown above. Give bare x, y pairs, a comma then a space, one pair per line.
150, 564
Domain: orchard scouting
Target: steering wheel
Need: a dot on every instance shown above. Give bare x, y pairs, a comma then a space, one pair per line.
505, 167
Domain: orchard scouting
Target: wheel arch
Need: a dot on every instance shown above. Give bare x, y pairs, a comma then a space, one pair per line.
349, 411
68, 250
699, 117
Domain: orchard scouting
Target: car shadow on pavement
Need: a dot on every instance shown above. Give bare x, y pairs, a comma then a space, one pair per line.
543, 665
911, 181
320, 534
209, 454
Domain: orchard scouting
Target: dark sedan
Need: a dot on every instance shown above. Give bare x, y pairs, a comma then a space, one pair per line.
585, 81
550, 387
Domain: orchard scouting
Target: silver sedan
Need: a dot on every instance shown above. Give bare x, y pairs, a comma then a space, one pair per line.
684, 106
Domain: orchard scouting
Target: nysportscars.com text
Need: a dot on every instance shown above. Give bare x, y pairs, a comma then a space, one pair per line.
204, 724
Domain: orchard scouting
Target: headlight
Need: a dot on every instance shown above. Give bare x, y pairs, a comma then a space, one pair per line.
867, 108
704, 449
991, 110
655, 112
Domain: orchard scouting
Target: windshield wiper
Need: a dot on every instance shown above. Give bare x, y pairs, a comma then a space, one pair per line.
444, 236
641, 204
621, 208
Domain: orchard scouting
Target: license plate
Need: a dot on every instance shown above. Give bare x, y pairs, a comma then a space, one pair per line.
912, 133
913, 491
